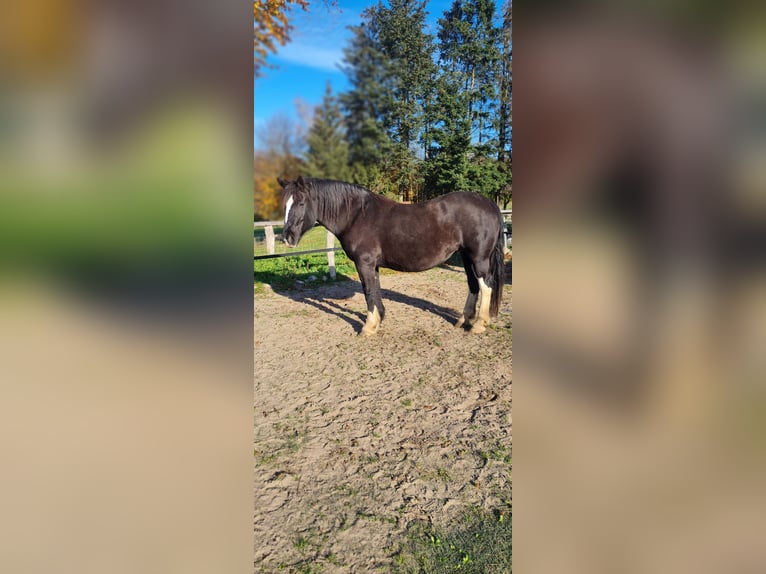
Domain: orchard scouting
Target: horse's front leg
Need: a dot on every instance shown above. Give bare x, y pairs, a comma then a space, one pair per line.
368, 275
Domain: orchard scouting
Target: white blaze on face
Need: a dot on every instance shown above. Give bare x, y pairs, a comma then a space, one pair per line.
287, 208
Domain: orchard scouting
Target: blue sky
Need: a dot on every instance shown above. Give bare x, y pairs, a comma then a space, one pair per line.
313, 57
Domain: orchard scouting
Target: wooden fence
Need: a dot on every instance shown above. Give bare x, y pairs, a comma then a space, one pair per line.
330, 249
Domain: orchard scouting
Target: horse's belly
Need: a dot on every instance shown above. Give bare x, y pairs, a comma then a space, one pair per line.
417, 257
396, 266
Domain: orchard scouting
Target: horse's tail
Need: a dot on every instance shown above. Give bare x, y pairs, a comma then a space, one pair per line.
497, 271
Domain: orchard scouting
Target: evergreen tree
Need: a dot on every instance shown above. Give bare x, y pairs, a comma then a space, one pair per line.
447, 160
363, 105
505, 86
390, 65
409, 53
327, 153
469, 53
457, 107
465, 132
505, 108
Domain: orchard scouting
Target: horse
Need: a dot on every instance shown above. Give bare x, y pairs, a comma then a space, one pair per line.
376, 232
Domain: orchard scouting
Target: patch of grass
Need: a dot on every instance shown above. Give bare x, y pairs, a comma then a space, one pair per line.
346, 490
315, 238
309, 544
376, 517
479, 543
438, 474
498, 452
291, 441
406, 402
442, 474
283, 273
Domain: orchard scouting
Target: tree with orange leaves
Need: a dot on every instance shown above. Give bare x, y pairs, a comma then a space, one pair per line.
271, 27
281, 144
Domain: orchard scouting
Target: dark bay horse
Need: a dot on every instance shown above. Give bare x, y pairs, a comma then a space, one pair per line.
375, 232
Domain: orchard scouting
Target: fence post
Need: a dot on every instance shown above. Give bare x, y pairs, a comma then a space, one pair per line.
270, 240
331, 254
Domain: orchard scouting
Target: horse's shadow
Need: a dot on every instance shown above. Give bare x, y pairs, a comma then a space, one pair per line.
325, 297
326, 300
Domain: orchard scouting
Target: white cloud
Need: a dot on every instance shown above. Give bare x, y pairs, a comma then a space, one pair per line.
311, 56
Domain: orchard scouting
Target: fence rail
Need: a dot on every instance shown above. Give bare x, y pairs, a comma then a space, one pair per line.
330, 249
294, 253
270, 240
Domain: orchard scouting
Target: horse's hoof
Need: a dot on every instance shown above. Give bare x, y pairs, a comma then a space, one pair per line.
478, 328
367, 332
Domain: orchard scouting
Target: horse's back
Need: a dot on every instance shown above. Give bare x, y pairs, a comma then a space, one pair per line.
469, 210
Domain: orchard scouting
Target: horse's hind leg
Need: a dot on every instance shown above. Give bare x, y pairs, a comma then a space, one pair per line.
469, 310
481, 269
485, 296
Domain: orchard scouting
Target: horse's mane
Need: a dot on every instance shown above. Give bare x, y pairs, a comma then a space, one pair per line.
337, 197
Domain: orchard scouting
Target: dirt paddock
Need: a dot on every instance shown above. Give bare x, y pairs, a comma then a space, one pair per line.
356, 438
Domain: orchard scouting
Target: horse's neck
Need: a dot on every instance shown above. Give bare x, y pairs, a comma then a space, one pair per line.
337, 223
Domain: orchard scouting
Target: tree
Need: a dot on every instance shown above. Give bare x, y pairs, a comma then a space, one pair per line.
327, 153
409, 57
409, 53
505, 86
468, 51
389, 64
505, 108
278, 156
364, 103
447, 159
271, 27
464, 135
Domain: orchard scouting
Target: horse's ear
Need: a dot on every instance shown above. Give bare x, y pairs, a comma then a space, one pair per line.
300, 181
282, 182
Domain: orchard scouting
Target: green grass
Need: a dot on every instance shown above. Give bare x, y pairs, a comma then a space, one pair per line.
315, 238
283, 273
291, 440
498, 452
480, 543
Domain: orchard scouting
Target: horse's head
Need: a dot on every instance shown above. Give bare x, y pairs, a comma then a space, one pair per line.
300, 211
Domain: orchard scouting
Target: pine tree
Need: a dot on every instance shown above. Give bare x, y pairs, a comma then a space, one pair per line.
447, 160
505, 86
390, 65
363, 105
505, 108
465, 133
468, 49
327, 154
409, 53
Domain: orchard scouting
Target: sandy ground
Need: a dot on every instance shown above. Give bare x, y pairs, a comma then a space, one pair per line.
356, 438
